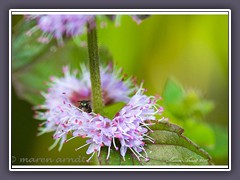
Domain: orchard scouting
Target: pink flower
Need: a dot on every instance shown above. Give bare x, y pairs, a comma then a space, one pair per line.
63, 96
130, 127
58, 26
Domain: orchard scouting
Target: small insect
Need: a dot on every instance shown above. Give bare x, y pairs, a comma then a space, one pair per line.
85, 105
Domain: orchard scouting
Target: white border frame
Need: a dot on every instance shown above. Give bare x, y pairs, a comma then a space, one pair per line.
122, 12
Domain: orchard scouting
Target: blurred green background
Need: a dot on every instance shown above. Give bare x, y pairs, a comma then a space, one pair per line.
184, 58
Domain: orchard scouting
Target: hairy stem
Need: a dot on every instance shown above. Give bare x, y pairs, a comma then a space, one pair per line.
97, 102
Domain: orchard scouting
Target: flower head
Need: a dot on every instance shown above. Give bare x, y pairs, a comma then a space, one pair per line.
65, 117
63, 96
58, 26
130, 126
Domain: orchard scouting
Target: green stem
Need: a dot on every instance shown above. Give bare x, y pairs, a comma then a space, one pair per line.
97, 102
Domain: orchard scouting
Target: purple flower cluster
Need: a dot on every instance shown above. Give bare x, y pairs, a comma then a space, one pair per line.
58, 26
64, 94
129, 127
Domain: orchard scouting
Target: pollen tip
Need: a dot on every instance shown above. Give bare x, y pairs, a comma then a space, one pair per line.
64, 69
52, 78
147, 159
83, 136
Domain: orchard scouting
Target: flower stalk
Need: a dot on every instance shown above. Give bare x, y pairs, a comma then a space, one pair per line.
97, 101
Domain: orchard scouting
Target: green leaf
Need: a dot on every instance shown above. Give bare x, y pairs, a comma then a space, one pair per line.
25, 48
185, 104
188, 108
200, 132
173, 97
195, 105
171, 147
116, 159
173, 92
111, 110
220, 150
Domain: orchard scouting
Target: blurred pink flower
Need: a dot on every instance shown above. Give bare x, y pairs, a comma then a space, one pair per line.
58, 26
